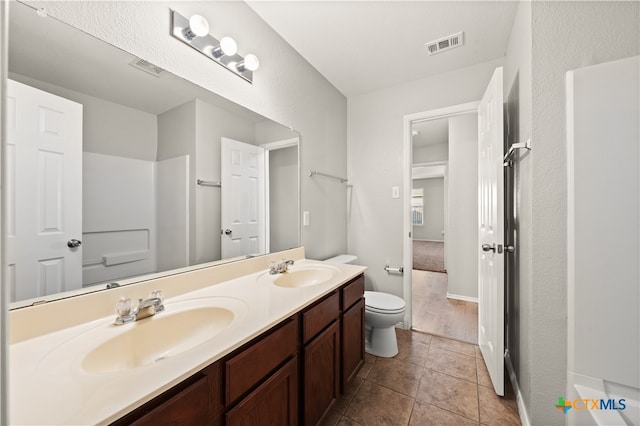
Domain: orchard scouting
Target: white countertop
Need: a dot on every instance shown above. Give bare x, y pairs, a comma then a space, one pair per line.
49, 386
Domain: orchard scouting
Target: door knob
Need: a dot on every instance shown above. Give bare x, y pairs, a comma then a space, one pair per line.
226, 231
489, 247
73, 243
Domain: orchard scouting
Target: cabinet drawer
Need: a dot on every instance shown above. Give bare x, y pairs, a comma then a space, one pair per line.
253, 364
352, 292
315, 319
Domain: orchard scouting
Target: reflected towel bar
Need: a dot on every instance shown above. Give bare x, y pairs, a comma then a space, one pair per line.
507, 160
207, 183
313, 172
399, 270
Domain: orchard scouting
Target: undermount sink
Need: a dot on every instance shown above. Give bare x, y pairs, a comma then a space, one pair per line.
305, 276
181, 327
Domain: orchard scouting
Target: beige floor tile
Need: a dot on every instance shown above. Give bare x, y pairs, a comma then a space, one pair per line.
430, 415
369, 360
413, 351
397, 375
449, 393
376, 405
343, 402
496, 410
413, 336
483, 374
452, 363
345, 421
331, 419
454, 345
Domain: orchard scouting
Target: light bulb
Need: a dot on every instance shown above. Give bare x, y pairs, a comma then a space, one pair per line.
198, 26
250, 63
227, 47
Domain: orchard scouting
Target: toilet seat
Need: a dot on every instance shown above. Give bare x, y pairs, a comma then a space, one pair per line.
383, 303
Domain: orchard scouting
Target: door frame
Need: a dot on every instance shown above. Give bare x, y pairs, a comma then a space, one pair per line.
442, 171
407, 248
268, 147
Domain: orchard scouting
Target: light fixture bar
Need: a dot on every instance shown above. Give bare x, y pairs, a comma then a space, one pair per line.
206, 44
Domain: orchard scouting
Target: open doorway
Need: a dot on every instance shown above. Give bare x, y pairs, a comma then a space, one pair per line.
443, 229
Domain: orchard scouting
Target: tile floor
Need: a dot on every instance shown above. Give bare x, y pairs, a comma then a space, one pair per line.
432, 381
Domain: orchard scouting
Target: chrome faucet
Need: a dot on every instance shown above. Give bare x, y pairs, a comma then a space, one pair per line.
145, 308
280, 267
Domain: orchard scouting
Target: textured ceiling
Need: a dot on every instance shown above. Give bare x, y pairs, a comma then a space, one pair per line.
363, 46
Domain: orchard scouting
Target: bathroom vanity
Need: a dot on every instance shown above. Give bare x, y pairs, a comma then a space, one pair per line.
289, 344
291, 374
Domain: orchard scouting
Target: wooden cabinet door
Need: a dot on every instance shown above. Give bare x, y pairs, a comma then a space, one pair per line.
274, 403
352, 343
321, 374
186, 404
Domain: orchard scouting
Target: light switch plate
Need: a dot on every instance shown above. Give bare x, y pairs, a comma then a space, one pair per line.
395, 192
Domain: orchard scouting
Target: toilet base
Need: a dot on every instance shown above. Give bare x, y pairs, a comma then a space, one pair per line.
381, 342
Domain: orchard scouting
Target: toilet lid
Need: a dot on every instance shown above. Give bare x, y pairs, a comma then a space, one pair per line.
383, 302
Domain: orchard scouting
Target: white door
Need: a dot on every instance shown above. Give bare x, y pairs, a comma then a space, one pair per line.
44, 192
242, 201
491, 231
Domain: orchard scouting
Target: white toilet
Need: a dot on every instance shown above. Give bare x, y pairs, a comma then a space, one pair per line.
382, 312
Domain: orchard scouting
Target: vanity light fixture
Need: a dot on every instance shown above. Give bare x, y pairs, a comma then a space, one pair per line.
250, 63
198, 27
227, 47
195, 33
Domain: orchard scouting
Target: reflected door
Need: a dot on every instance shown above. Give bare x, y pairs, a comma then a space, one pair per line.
491, 231
242, 199
44, 190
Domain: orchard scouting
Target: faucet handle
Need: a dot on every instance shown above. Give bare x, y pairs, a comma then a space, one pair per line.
123, 307
159, 303
124, 311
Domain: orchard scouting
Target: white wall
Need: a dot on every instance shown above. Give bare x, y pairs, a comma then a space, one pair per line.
462, 232
426, 154
598, 32
172, 212
286, 88
212, 123
433, 210
375, 157
283, 190
593, 32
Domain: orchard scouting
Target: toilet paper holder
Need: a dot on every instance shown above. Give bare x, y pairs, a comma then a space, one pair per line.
389, 269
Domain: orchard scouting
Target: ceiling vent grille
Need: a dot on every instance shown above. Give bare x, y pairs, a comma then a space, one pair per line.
445, 43
147, 67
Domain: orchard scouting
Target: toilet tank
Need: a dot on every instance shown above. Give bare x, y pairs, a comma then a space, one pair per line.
343, 258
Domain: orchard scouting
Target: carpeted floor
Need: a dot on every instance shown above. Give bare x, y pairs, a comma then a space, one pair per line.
428, 256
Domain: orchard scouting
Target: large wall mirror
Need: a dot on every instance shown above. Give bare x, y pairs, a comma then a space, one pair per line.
117, 169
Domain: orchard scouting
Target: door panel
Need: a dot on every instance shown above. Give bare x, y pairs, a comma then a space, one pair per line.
44, 192
242, 199
491, 231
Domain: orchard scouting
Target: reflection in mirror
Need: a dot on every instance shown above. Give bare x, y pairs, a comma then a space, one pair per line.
119, 169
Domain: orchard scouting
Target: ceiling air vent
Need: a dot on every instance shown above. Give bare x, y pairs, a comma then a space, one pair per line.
147, 67
445, 43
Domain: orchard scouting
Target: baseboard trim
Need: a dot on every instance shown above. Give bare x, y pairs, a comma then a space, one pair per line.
463, 298
522, 409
